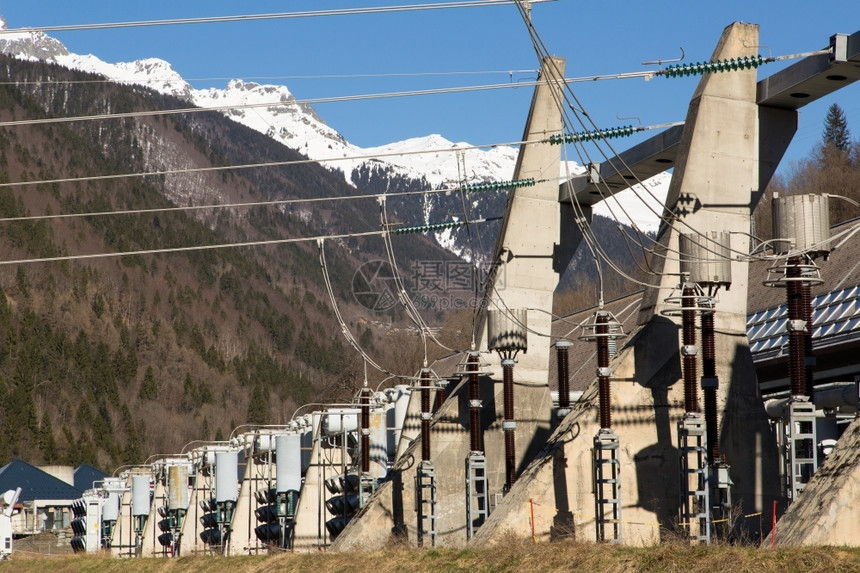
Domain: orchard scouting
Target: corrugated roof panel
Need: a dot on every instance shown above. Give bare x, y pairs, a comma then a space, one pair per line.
826, 330
754, 332
846, 309
756, 318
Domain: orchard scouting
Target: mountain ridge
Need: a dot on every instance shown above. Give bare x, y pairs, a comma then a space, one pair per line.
274, 111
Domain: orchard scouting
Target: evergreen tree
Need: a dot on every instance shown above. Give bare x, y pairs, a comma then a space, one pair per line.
47, 443
258, 408
149, 386
836, 133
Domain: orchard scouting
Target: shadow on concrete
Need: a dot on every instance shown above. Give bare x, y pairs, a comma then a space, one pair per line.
562, 523
658, 367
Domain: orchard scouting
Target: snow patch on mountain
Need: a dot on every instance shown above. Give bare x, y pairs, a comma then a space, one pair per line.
274, 111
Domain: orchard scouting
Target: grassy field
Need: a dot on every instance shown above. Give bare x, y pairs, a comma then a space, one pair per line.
512, 555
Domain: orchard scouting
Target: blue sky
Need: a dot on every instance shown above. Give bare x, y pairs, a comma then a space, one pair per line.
604, 37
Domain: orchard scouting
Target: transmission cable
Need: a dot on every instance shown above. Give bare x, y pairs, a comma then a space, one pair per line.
407, 303
542, 53
270, 16
343, 327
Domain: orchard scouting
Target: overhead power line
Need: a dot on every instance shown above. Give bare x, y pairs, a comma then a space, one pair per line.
270, 16
279, 103
271, 203
286, 77
211, 247
260, 165
705, 67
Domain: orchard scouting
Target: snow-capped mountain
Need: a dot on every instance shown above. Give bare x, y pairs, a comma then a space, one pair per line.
275, 111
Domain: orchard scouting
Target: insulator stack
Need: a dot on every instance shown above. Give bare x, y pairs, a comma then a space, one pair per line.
802, 229
441, 393
801, 225
425, 415
508, 424
603, 329
710, 385
809, 357
561, 348
507, 334
689, 350
365, 429
474, 403
796, 328
602, 332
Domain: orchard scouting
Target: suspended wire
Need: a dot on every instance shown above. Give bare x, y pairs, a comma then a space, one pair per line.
230, 107
543, 55
343, 327
403, 297
163, 250
581, 219
266, 164
579, 114
185, 80
467, 209
536, 40
671, 219
269, 16
316, 101
711, 67
273, 202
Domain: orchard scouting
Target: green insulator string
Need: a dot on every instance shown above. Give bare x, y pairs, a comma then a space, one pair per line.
432, 227
583, 136
498, 185
428, 228
733, 65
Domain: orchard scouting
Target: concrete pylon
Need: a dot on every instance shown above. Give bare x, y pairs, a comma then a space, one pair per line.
149, 546
714, 187
327, 460
528, 257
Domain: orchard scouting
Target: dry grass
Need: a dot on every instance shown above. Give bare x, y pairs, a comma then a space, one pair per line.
513, 554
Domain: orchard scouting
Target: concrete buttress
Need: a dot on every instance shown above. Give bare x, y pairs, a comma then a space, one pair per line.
715, 186
528, 255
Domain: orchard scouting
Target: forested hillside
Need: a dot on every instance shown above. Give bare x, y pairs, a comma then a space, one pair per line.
832, 168
107, 360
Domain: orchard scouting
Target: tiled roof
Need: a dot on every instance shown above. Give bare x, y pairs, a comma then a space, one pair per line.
34, 483
85, 475
835, 304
